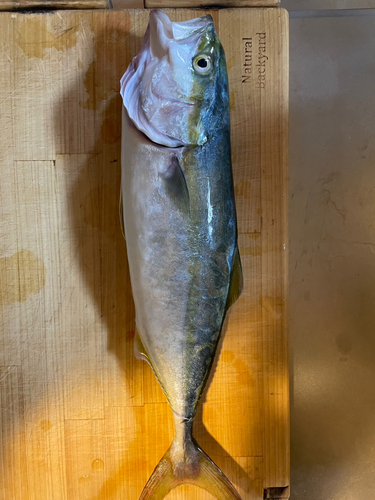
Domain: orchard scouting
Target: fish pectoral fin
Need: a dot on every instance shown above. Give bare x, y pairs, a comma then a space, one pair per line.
236, 281
175, 185
121, 214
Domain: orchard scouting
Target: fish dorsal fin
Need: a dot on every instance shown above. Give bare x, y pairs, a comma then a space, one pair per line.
236, 281
121, 213
175, 185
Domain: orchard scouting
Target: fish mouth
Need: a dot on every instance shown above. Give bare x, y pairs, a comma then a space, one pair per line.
198, 23
167, 100
163, 29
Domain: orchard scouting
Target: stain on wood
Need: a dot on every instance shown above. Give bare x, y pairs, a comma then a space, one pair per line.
21, 275
36, 37
110, 46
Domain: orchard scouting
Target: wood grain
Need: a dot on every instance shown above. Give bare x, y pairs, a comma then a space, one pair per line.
80, 417
127, 4
153, 4
53, 4
8, 5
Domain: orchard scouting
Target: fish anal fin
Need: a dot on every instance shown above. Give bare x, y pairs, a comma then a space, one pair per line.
121, 214
236, 282
198, 470
140, 351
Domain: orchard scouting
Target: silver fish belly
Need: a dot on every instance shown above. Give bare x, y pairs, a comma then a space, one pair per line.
179, 221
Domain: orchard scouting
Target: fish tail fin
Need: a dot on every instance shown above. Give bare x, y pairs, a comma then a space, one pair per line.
186, 463
161, 482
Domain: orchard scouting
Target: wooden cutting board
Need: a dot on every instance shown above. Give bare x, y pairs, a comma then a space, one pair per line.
81, 418
128, 4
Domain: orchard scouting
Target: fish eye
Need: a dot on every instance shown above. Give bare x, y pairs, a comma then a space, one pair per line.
202, 64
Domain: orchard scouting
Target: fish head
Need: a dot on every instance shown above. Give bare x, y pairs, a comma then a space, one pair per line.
171, 86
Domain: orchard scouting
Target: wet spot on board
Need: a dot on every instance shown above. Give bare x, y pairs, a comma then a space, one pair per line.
121, 478
45, 425
254, 251
227, 356
21, 275
272, 305
84, 479
243, 189
232, 99
231, 62
111, 126
130, 335
110, 50
97, 93
251, 244
243, 373
100, 210
97, 465
36, 37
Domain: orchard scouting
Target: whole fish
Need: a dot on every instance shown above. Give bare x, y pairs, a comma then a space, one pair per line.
179, 222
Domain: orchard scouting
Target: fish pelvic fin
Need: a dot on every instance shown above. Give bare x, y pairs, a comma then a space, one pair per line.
186, 463
121, 215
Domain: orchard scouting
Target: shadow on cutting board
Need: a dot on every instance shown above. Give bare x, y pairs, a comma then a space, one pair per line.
101, 250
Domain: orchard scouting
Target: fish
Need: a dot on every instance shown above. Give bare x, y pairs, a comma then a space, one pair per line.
178, 217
